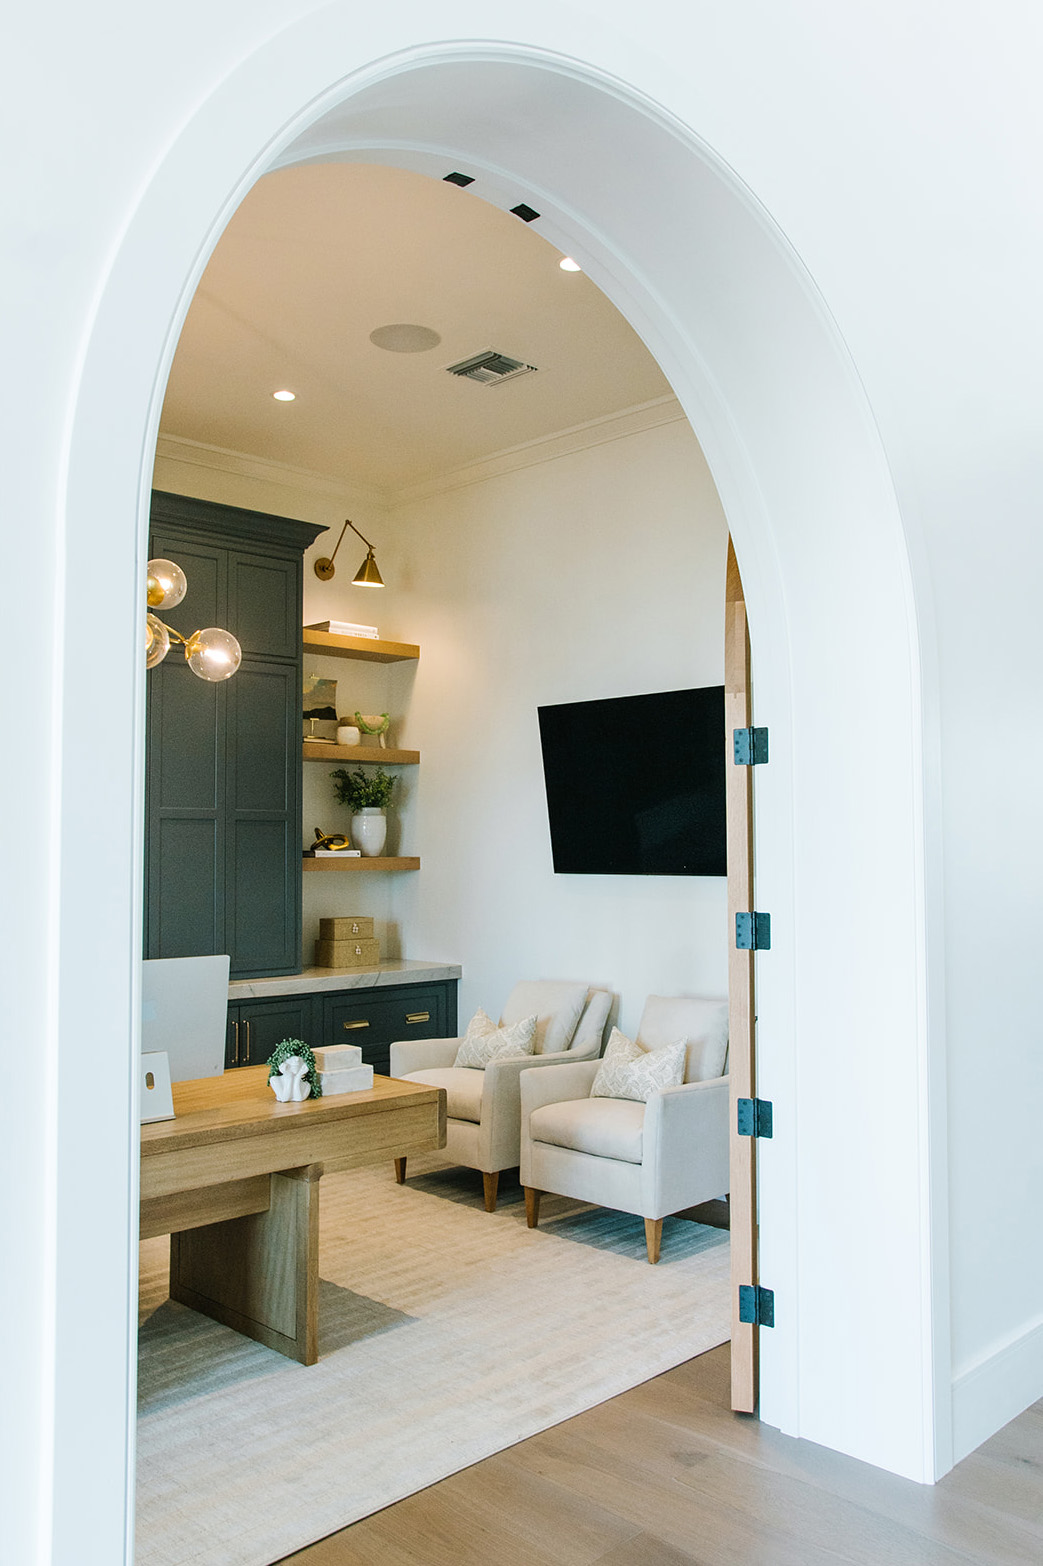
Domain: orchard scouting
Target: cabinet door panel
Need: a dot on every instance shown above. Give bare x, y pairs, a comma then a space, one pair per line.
205, 567
263, 599
263, 866
264, 728
261, 923
264, 1024
187, 743
186, 901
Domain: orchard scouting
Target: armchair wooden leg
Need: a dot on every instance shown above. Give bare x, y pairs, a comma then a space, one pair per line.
491, 1183
400, 1170
532, 1206
653, 1238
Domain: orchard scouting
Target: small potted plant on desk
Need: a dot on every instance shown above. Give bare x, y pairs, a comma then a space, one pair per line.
367, 795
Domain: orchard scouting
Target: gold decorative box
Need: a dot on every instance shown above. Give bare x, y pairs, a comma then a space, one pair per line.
362, 953
345, 929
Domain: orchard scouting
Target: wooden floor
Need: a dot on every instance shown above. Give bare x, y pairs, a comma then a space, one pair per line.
666, 1475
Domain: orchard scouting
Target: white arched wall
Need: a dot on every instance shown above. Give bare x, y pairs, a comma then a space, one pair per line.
847, 1204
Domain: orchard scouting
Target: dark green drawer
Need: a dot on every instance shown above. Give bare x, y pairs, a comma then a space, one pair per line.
372, 1019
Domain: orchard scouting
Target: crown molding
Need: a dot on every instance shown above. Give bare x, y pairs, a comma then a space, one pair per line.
547, 448
194, 453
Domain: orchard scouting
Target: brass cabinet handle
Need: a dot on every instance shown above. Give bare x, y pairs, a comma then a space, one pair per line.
349, 1025
235, 1052
249, 1041
418, 1016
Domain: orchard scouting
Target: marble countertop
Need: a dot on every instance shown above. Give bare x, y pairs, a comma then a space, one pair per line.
315, 980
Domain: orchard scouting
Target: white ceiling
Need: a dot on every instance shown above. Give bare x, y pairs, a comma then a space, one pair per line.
318, 257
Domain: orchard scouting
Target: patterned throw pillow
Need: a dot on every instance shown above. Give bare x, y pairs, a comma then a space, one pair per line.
484, 1041
628, 1070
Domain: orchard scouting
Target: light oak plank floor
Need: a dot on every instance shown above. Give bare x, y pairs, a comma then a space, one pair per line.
666, 1475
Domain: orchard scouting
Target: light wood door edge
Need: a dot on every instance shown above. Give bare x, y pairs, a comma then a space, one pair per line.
741, 1015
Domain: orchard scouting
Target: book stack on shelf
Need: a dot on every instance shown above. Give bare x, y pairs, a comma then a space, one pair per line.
344, 628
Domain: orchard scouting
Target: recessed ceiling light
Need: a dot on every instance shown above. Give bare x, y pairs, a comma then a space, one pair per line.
404, 338
284, 396
568, 265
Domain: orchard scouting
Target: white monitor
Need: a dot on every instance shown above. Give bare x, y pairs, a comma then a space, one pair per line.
184, 1013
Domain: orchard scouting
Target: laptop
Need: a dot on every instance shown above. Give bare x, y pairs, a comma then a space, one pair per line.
184, 1014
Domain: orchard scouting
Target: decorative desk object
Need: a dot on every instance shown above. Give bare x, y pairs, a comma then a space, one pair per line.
367, 796
292, 1073
330, 844
341, 1070
348, 734
320, 708
346, 943
375, 726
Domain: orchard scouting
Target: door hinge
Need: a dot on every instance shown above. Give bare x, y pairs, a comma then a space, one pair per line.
753, 932
751, 747
756, 1305
754, 1116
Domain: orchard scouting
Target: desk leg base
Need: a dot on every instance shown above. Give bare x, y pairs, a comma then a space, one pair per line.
259, 1274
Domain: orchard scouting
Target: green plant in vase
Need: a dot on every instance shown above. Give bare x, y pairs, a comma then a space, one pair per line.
367, 795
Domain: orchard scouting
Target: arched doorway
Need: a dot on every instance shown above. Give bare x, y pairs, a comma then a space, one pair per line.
700, 272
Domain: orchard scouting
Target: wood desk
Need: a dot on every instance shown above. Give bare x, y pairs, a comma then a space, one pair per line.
234, 1181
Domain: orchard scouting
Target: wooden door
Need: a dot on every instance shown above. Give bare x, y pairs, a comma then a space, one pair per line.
741, 1012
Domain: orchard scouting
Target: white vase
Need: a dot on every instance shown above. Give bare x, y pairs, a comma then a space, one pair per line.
369, 828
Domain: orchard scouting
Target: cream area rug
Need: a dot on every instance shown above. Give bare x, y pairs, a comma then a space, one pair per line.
445, 1334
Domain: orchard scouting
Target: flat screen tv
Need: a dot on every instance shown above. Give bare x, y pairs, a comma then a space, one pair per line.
635, 784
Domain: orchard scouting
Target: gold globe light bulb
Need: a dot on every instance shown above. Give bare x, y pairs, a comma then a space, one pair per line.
167, 584
157, 641
213, 654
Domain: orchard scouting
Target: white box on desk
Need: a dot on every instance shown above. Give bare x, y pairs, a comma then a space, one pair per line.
355, 1079
337, 1057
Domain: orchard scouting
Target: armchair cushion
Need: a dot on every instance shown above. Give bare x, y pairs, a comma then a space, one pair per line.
558, 1006
702, 1021
629, 1070
484, 1041
463, 1089
605, 1128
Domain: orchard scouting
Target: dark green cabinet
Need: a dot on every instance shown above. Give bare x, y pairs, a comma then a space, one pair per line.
371, 1018
223, 772
257, 1027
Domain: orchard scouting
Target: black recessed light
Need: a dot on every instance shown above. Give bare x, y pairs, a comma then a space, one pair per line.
527, 214
459, 179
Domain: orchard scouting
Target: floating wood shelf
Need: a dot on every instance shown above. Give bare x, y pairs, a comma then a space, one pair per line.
331, 862
368, 649
368, 755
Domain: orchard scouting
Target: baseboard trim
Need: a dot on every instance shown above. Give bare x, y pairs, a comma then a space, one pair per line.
996, 1389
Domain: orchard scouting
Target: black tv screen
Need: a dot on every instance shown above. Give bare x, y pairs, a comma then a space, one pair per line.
635, 784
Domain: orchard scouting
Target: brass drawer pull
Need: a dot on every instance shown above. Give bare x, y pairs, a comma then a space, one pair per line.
418, 1016
349, 1025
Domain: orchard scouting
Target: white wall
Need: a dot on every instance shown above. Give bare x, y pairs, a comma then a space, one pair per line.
596, 574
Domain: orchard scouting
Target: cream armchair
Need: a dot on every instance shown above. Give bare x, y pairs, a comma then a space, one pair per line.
484, 1107
650, 1159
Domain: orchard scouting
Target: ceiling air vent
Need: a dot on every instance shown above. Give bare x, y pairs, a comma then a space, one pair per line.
490, 368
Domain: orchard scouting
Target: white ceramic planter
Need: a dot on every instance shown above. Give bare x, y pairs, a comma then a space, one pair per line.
369, 829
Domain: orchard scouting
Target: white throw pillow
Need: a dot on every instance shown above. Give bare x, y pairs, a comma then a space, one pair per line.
628, 1070
484, 1041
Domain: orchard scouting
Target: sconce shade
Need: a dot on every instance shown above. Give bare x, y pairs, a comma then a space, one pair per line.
367, 574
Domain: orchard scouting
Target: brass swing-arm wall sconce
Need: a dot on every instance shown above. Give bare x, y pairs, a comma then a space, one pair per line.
367, 574
213, 654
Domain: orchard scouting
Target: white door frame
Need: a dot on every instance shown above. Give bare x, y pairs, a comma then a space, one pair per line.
782, 418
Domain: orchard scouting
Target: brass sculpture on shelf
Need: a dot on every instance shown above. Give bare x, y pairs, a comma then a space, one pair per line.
333, 842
